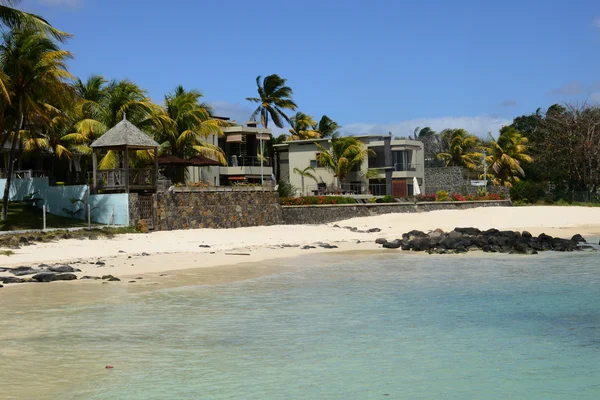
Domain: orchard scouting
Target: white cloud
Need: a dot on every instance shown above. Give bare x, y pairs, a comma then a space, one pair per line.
478, 125
68, 3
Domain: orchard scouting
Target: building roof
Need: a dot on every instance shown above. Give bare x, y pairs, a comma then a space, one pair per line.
125, 134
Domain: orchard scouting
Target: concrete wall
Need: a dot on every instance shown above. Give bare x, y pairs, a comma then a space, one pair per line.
106, 208
217, 209
320, 214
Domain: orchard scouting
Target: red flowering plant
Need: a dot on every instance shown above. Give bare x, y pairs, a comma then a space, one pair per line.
458, 197
426, 197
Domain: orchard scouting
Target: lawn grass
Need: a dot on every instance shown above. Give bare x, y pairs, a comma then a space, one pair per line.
22, 217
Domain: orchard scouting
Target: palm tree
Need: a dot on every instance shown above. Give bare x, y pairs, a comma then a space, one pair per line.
327, 127
103, 104
306, 173
343, 156
16, 19
189, 123
302, 127
460, 149
506, 156
273, 98
36, 75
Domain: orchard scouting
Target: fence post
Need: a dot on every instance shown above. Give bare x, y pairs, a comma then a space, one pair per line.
44, 216
89, 215
113, 215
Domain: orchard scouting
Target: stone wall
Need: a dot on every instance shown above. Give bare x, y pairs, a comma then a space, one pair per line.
455, 180
321, 214
212, 209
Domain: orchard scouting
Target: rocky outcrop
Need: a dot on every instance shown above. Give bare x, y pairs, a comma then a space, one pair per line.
52, 276
461, 240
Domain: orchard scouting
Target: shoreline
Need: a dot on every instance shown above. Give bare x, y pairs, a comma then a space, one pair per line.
130, 256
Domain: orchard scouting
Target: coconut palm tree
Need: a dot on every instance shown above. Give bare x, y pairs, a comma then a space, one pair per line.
16, 19
460, 149
104, 104
36, 80
344, 154
189, 123
327, 127
307, 172
506, 156
274, 97
303, 127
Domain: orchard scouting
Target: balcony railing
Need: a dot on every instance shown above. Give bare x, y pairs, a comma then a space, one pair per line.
249, 161
24, 174
114, 179
407, 167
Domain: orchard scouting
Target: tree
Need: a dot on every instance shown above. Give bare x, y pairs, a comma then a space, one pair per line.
307, 172
36, 80
327, 127
274, 97
103, 104
343, 156
303, 127
506, 156
189, 123
20, 20
459, 149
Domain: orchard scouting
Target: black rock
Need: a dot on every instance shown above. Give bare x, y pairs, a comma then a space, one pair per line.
23, 240
395, 244
307, 247
205, 246
10, 279
121, 251
373, 230
578, 239
468, 231
1, 286
63, 268
380, 240
145, 254
327, 246
110, 278
526, 234
414, 233
95, 278
51, 277
100, 263
21, 271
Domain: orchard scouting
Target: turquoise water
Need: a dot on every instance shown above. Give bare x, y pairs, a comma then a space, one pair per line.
362, 327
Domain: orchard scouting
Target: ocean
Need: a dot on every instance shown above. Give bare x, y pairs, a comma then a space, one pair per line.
337, 326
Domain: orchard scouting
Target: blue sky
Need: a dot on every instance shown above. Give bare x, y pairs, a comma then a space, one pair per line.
373, 66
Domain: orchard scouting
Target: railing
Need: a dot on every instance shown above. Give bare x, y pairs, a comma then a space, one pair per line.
139, 178
347, 188
25, 174
249, 161
378, 189
407, 167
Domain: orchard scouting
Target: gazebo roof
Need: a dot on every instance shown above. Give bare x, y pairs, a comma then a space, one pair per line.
125, 134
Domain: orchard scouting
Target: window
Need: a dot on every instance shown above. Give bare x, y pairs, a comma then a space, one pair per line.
313, 163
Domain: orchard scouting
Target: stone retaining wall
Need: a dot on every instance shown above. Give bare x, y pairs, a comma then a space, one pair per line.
189, 210
455, 180
321, 214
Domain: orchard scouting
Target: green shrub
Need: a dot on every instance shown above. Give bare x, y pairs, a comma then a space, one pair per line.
285, 189
528, 192
442, 195
386, 199
315, 200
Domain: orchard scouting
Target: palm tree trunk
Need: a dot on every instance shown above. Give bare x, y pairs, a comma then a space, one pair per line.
303, 192
11, 158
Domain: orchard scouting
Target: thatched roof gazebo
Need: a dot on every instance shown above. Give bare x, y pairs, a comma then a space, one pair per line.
122, 138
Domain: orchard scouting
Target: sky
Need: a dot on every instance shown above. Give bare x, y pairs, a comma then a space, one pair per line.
373, 66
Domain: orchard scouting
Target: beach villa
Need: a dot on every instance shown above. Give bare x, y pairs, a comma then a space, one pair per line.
242, 147
389, 172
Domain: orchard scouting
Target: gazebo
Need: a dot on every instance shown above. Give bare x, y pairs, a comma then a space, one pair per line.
122, 138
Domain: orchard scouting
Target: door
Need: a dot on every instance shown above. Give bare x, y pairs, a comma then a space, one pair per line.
146, 209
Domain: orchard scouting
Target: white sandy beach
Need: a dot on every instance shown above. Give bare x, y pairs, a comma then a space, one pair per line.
178, 250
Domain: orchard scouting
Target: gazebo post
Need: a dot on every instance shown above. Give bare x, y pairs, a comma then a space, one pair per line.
126, 169
155, 175
94, 170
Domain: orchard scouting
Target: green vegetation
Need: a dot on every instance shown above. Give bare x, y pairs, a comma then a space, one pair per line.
307, 172
274, 97
22, 216
343, 156
316, 200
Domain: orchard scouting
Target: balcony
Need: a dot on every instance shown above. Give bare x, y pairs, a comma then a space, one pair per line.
347, 189
247, 165
407, 167
115, 179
